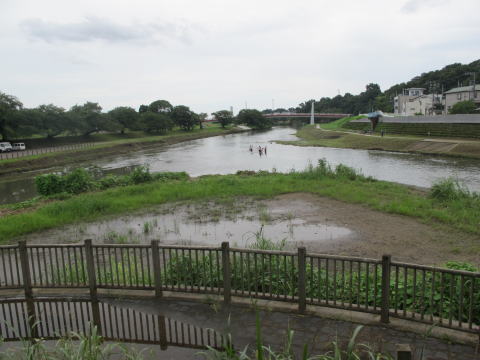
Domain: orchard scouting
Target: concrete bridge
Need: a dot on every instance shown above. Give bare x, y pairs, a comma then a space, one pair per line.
305, 115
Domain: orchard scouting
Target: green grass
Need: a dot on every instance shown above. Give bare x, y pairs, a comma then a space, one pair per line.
311, 136
338, 124
317, 137
461, 213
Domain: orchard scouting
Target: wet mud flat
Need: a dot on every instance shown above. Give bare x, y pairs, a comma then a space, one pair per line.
320, 224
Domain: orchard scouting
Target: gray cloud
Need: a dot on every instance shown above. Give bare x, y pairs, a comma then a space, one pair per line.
412, 6
95, 28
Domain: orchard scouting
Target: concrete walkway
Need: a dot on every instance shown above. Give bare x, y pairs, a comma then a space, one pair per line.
318, 333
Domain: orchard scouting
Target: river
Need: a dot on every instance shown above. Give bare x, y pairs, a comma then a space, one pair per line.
230, 153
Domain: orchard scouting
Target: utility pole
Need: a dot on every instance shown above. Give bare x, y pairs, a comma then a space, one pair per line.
471, 96
273, 105
444, 98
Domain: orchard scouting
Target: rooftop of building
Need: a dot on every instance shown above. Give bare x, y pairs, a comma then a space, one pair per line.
463, 89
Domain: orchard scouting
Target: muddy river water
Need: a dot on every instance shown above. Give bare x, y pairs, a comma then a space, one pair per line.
229, 153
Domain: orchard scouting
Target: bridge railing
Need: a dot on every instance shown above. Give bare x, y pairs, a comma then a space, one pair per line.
437, 296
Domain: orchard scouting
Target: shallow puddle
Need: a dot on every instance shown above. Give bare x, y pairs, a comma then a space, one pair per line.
203, 224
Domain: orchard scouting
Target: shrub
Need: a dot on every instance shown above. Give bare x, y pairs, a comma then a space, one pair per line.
347, 172
78, 181
140, 175
111, 181
165, 176
448, 190
49, 184
459, 265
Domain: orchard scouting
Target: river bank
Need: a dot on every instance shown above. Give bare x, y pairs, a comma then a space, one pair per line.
313, 136
449, 225
115, 146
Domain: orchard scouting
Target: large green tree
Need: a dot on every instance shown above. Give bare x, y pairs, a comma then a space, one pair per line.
184, 117
224, 117
9, 106
51, 120
160, 106
155, 122
126, 117
254, 119
88, 118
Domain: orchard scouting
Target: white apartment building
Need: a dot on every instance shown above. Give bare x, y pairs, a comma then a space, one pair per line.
413, 102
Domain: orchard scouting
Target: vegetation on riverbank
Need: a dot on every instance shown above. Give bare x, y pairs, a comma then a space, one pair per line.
337, 124
341, 183
81, 180
311, 136
109, 144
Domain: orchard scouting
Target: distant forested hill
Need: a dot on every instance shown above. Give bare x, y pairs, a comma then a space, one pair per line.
374, 99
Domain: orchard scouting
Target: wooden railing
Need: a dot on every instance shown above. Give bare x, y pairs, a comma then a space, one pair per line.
441, 297
59, 318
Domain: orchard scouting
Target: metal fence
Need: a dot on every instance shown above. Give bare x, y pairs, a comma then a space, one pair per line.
39, 151
58, 318
443, 297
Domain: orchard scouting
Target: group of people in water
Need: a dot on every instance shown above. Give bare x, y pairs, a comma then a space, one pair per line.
261, 151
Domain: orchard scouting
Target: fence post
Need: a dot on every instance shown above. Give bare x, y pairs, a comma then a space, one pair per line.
92, 283
404, 352
302, 297
385, 314
162, 331
227, 275
27, 286
157, 274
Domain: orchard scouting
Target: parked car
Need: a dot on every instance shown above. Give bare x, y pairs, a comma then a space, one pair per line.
18, 146
5, 147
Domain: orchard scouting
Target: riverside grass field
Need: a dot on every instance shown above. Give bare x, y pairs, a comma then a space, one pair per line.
340, 134
446, 203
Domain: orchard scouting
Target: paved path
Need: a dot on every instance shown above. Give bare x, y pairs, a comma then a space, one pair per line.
318, 333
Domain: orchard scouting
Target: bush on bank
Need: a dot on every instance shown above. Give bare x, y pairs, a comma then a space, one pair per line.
81, 180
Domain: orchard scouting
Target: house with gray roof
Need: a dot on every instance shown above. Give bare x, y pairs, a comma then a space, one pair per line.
463, 93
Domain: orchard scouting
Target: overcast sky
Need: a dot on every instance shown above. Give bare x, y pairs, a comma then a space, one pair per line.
213, 54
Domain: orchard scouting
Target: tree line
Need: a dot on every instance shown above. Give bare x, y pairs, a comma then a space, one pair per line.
159, 117
373, 98
50, 120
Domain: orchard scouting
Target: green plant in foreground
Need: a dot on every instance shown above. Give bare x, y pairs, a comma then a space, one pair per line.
75, 346
353, 351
